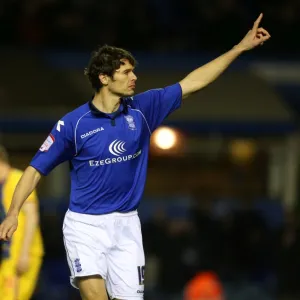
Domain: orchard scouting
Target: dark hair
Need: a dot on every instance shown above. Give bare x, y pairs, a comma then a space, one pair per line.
3, 154
106, 60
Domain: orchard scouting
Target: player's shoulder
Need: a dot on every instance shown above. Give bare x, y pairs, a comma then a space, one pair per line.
142, 94
75, 115
134, 100
156, 91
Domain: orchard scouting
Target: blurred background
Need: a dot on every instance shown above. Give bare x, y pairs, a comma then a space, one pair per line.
223, 183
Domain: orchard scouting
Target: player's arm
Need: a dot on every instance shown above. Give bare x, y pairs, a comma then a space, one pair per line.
206, 74
24, 188
57, 148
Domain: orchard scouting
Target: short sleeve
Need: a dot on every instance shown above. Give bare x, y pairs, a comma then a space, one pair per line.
157, 104
57, 148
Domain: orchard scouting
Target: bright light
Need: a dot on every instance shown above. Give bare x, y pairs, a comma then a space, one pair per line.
165, 138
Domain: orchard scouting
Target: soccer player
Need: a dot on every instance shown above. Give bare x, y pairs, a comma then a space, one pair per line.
22, 255
106, 142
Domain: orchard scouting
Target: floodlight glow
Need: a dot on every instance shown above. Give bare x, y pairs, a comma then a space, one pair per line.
165, 138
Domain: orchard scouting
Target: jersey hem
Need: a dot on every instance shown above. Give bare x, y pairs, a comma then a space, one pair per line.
119, 213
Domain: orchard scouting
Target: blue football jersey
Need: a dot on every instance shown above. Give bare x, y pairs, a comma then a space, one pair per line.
108, 153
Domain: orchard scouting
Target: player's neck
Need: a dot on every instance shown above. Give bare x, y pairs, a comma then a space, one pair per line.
4, 172
106, 101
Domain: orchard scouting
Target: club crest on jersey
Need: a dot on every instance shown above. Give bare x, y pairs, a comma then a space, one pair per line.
130, 122
47, 143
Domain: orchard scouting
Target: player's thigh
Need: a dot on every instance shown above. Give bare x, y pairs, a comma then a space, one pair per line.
28, 281
92, 288
85, 246
126, 265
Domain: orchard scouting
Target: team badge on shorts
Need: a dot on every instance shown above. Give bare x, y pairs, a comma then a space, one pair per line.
130, 121
77, 265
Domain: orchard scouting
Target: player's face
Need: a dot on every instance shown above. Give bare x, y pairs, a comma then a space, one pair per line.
123, 81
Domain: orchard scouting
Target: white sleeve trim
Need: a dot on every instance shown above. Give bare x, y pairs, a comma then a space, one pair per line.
75, 132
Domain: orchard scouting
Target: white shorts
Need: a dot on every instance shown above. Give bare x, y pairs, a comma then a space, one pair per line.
107, 245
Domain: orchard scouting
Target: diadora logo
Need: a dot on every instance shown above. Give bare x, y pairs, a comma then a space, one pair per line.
117, 147
77, 265
59, 123
91, 132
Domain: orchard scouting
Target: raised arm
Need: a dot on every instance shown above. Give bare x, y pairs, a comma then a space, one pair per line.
24, 188
206, 74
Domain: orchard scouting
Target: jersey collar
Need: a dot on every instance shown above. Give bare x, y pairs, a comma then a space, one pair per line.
122, 109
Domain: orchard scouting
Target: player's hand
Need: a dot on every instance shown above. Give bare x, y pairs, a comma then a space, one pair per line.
255, 37
23, 264
8, 227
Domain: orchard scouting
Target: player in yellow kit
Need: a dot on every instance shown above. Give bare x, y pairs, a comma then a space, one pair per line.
22, 256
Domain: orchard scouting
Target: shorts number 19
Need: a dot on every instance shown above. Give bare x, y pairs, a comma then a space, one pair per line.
141, 274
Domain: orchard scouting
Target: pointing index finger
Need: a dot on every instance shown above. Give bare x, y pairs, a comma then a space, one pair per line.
257, 22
